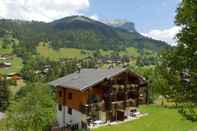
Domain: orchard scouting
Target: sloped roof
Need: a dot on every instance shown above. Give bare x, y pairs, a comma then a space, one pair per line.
86, 78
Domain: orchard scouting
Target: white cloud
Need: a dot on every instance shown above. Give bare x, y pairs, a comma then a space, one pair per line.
167, 35
41, 10
94, 17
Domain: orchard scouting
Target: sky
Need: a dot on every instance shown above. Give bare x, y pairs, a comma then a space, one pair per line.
152, 18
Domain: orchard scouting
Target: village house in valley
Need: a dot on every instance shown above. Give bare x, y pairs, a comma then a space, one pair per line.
98, 94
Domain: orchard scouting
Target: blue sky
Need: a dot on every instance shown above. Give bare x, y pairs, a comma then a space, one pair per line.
153, 18
146, 14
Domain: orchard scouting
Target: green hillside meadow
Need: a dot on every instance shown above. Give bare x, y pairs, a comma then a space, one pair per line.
159, 119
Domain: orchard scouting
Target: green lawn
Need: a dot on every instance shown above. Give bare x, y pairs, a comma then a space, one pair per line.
44, 50
2, 124
159, 119
15, 68
15, 61
52, 54
105, 52
4, 50
130, 52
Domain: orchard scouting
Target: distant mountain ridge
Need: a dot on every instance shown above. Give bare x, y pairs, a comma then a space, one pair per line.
122, 24
79, 32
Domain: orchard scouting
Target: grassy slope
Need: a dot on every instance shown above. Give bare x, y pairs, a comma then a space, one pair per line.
52, 54
16, 61
159, 119
4, 51
44, 50
130, 52
16, 66
2, 124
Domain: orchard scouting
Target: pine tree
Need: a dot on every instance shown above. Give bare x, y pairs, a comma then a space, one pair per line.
4, 94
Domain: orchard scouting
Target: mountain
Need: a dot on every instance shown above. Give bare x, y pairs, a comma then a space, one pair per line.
83, 23
122, 24
78, 32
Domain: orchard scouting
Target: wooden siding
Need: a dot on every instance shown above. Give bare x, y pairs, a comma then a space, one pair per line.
78, 97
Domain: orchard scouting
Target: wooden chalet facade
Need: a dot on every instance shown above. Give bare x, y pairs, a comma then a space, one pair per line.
98, 94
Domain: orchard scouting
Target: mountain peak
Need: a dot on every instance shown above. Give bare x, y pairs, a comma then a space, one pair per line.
79, 18
73, 18
122, 24
115, 22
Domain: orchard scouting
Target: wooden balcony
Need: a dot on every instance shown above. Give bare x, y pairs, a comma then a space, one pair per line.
118, 105
99, 106
120, 96
121, 105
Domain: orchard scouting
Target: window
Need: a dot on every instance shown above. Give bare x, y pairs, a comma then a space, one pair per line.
75, 126
59, 107
70, 111
60, 93
70, 96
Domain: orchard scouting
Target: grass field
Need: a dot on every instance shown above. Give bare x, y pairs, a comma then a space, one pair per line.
52, 54
15, 61
46, 51
16, 66
159, 119
2, 124
5, 50
130, 52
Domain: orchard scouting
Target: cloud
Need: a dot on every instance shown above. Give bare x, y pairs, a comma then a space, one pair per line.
41, 10
167, 35
94, 17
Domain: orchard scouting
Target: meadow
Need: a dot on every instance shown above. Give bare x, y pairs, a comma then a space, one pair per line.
159, 119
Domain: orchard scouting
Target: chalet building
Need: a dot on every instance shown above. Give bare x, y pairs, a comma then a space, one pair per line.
98, 94
5, 65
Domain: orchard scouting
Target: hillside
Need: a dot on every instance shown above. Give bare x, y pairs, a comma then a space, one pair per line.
7, 56
78, 32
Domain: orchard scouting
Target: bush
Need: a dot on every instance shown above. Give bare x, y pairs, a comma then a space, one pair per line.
189, 111
33, 111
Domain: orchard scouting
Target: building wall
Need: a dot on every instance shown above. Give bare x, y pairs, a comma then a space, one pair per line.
78, 98
60, 117
64, 118
102, 116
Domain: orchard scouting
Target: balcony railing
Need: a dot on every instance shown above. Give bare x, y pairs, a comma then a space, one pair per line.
99, 106
119, 96
121, 105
